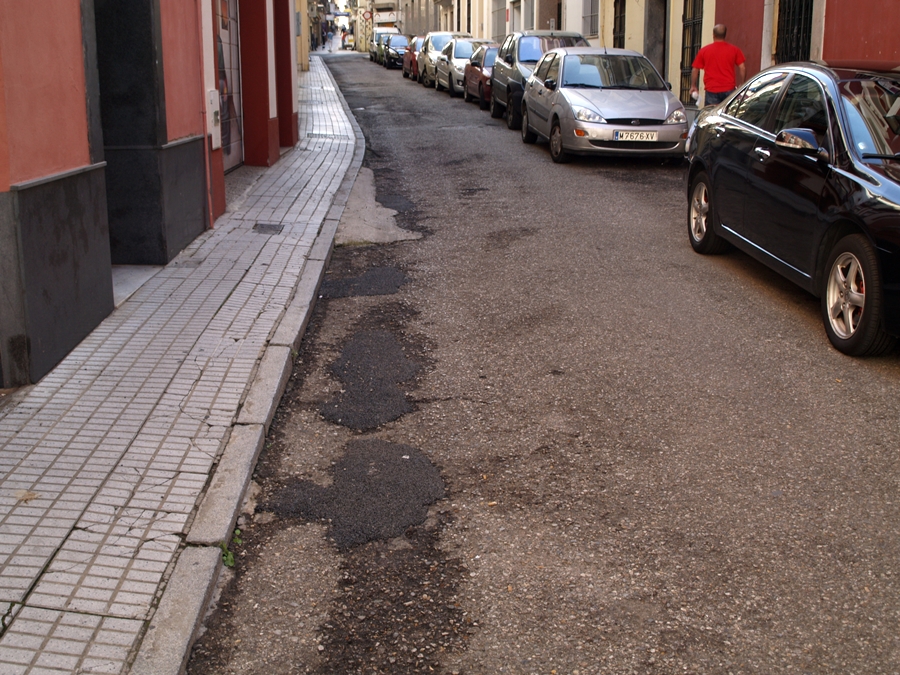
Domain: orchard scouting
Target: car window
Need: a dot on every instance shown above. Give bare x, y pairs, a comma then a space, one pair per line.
553, 71
507, 46
752, 105
489, 57
419, 42
803, 107
611, 71
531, 47
872, 107
447, 50
477, 57
463, 49
540, 72
439, 41
399, 41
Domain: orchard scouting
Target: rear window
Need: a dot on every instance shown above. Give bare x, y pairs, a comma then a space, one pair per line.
532, 47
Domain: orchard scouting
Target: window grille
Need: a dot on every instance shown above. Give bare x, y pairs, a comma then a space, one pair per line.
528, 14
794, 30
619, 24
590, 17
692, 23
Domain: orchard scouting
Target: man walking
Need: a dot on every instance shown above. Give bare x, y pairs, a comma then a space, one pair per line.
718, 61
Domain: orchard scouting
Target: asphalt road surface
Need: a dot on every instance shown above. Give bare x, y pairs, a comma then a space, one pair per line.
547, 437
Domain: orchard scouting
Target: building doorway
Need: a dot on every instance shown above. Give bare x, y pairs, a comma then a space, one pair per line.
229, 83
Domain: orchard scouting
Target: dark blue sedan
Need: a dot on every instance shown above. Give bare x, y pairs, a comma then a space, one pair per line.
801, 170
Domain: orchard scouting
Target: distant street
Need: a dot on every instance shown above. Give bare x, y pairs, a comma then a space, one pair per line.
547, 437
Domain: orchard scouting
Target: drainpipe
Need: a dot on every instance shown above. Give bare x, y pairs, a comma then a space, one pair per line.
203, 114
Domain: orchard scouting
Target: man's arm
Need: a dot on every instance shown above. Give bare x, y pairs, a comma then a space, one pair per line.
742, 74
695, 77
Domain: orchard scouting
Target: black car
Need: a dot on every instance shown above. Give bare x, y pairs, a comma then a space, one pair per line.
395, 47
801, 170
517, 57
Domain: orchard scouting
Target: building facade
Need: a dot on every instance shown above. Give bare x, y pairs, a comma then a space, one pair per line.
118, 121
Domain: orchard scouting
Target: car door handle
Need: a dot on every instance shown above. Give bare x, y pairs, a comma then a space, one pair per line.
763, 153
719, 129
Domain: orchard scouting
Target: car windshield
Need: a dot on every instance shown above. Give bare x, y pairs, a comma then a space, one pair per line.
439, 41
464, 49
489, 57
419, 41
532, 47
611, 71
873, 110
399, 41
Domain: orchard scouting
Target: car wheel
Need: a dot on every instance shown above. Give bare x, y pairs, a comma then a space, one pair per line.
852, 306
467, 97
528, 136
405, 73
483, 103
496, 110
450, 88
437, 82
701, 217
513, 116
557, 152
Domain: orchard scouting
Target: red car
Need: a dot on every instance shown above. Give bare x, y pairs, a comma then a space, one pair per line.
410, 62
477, 76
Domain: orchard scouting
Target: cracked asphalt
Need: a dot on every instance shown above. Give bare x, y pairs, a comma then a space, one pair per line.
623, 457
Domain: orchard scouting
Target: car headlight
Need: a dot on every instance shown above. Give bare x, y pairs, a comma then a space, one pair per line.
392, 52
677, 117
587, 115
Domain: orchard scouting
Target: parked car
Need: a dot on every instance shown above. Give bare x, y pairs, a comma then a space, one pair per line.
375, 44
451, 64
431, 48
594, 100
800, 169
395, 47
477, 75
410, 58
515, 60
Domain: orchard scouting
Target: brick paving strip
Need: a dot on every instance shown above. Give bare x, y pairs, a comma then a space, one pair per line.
125, 467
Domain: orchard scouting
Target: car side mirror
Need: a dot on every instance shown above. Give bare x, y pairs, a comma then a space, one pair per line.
669, 86
802, 141
508, 58
550, 84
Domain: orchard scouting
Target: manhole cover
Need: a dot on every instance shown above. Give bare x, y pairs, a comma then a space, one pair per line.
268, 228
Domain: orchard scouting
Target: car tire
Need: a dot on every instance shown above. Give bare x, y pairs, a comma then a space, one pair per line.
405, 73
467, 97
528, 136
437, 83
513, 116
852, 303
557, 153
483, 103
496, 110
450, 88
701, 216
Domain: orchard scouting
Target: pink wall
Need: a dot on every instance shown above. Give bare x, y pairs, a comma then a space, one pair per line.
856, 31
181, 65
42, 61
744, 21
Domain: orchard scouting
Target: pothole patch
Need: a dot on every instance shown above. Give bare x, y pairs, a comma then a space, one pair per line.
374, 281
379, 490
371, 368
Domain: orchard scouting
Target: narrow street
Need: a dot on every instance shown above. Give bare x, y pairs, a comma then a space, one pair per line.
547, 437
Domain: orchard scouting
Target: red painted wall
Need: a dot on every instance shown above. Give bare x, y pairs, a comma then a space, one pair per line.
861, 31
181, 65
260, 131
42, 61
745, 25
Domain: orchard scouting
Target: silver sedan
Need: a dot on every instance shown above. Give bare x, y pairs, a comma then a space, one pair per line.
588, 100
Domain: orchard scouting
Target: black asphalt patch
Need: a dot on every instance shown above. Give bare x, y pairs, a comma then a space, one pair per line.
372, 367
380, 489
375, 281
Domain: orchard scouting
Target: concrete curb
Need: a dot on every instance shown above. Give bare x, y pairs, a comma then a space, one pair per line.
166, 646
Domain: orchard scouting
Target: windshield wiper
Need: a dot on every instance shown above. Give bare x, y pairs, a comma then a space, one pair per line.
582, 85
872, 155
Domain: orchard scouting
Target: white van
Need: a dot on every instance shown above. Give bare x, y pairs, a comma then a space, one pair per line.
377, 36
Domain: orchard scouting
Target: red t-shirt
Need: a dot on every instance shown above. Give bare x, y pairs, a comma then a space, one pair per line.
718, 60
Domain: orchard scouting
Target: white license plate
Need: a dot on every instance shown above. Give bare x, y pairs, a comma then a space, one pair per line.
635, 136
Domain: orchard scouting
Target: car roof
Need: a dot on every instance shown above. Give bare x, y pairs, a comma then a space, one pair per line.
609, 51
548, 33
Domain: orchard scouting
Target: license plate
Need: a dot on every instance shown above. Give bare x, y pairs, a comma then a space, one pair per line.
635, 136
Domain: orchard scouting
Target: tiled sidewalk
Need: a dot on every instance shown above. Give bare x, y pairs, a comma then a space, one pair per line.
105, 461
